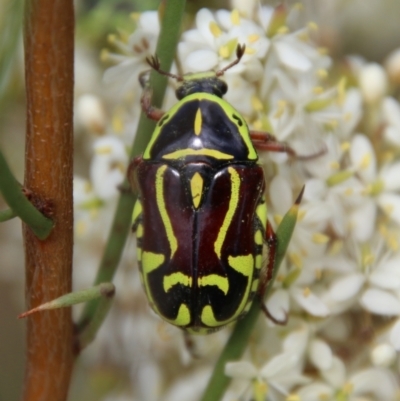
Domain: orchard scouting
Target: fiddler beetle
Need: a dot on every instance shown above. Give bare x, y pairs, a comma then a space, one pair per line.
201, 216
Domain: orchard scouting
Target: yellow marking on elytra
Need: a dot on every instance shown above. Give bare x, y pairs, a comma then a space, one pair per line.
244, 265
258, 262
178, 154
216, 280
196, 188
261, 213
137, 210
176, 278
139, 231
208, 317
258, 237
198, 121
255, 285
233, 202
151, 261
173, 243
183, 317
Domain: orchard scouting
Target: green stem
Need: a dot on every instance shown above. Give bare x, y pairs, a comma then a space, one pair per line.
11, 191
7, 215
168, 39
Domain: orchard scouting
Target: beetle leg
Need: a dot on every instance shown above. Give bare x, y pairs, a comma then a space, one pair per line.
131, 172
272, 241
267, 142
151, 111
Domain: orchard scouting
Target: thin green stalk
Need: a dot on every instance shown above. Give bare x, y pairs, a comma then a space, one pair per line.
168, 39
7, 214
13, 195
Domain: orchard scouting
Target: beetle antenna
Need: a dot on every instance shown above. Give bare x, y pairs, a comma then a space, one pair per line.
155, 64
240, 49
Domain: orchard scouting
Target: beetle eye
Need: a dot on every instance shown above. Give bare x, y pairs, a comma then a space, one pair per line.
223, 87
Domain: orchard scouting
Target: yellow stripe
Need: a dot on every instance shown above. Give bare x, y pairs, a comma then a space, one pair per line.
198, 121
183, 317
258, 237
244, 265
233, 202
261, 213
178, 154
137, 210
173, 243
196, 188
139, 231
214, 279
150, 261
176, 278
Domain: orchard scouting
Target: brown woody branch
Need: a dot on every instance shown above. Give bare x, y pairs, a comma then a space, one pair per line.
49, 37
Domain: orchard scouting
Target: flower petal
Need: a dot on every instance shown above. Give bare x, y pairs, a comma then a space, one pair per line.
390, 204
395, 335
292, 58
278, 304
320, 354
310, 302
346, 287
363, 157
241, 370
336, 374
201, 60
380, 302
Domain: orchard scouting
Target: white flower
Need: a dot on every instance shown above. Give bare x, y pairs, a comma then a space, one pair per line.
373, 82
391, 119
381, 187
374, 281
108, 166
281, 373
123, 77
392, 65
378, 383
90, 113
213, 43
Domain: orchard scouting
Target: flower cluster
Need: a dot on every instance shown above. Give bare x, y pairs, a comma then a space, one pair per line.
339, 285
